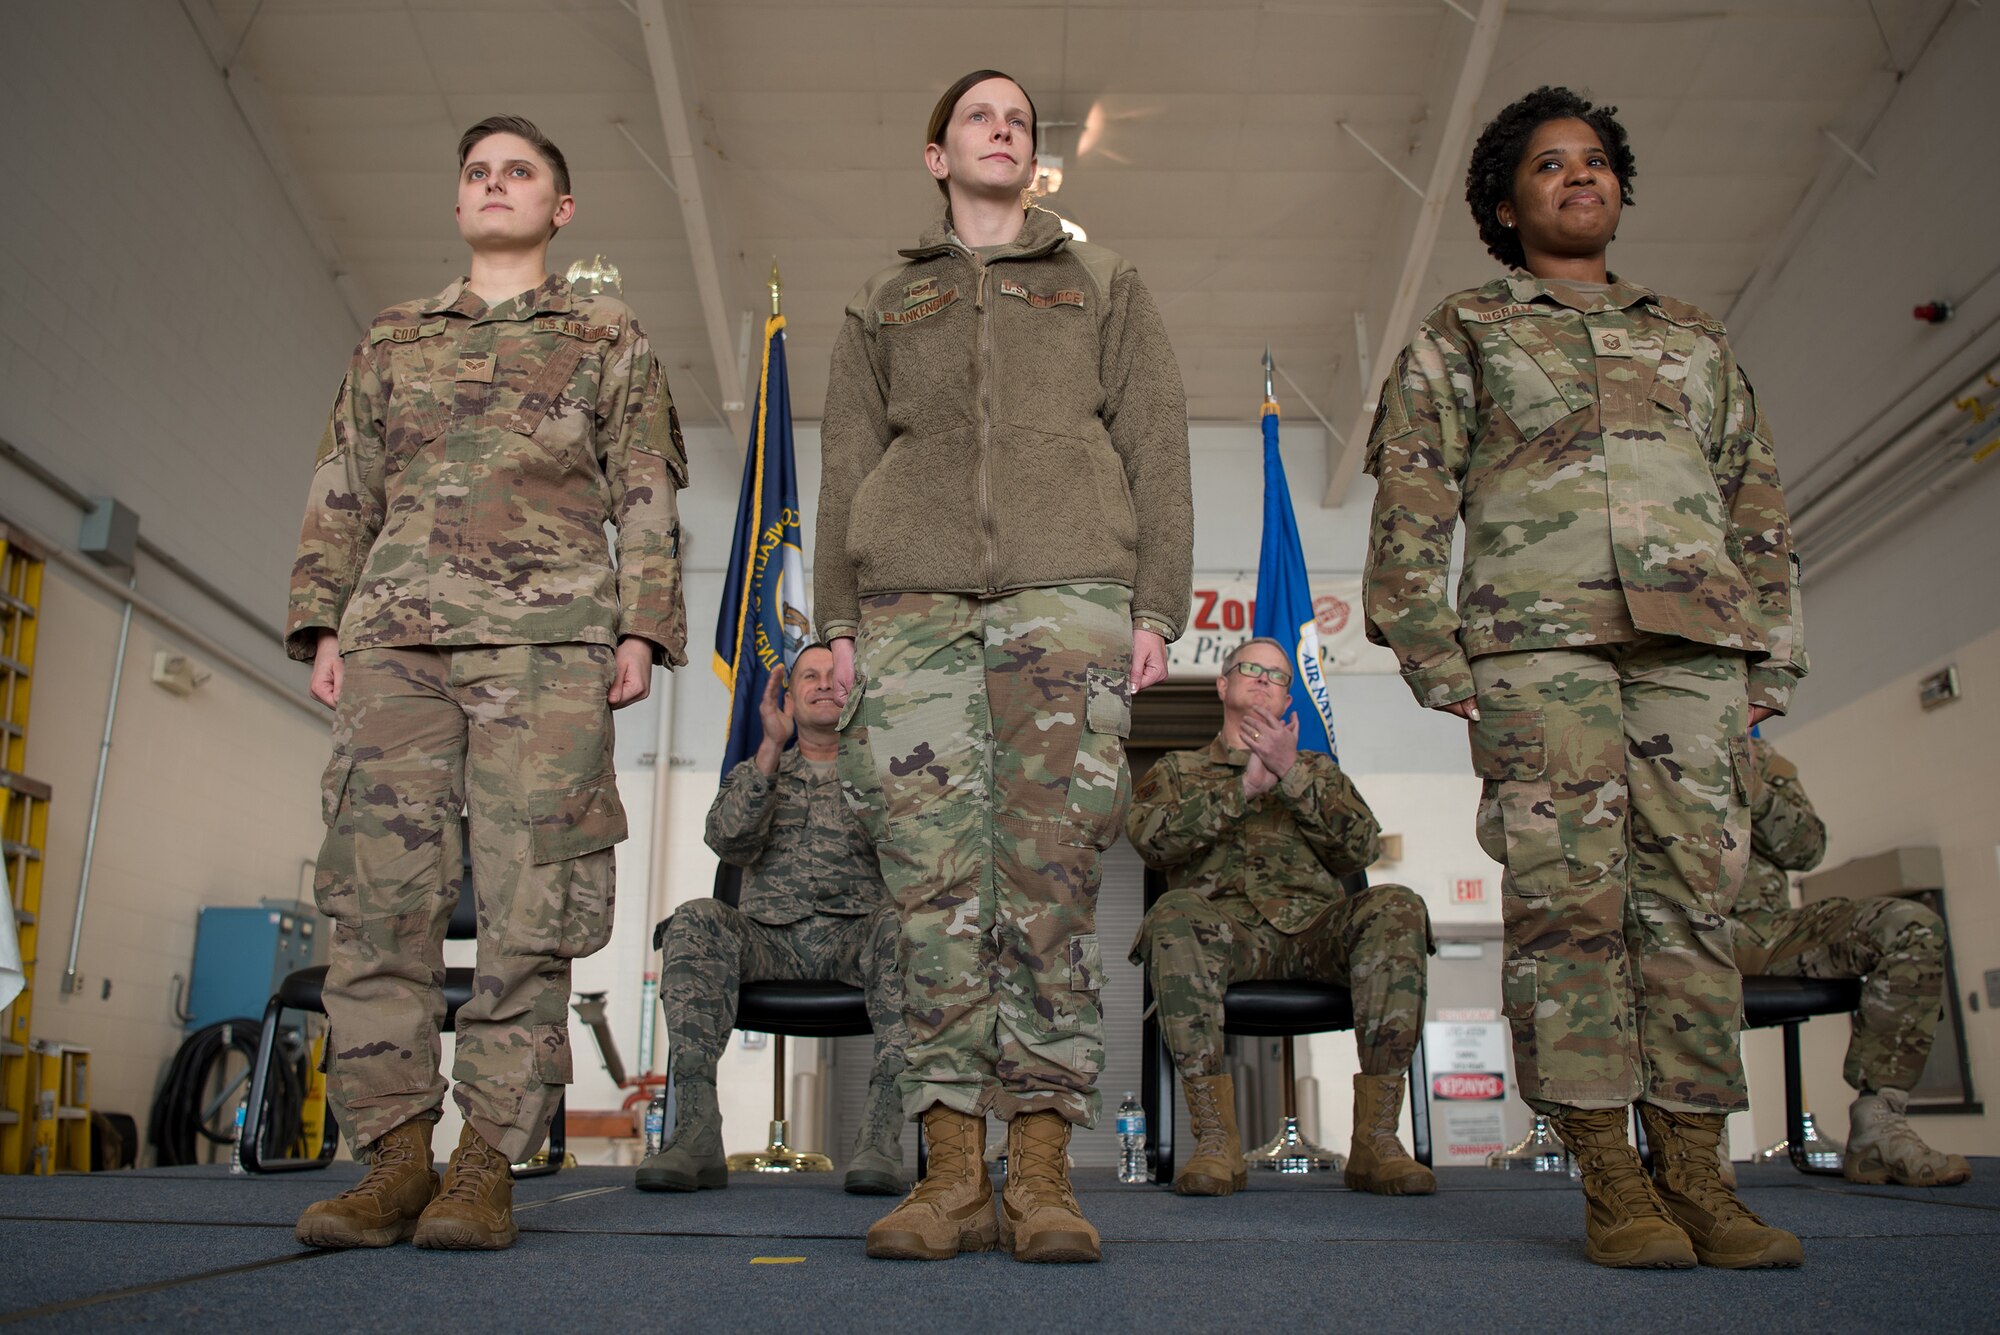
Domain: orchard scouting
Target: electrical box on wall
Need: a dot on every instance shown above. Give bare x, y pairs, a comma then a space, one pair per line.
110, 534
242, 954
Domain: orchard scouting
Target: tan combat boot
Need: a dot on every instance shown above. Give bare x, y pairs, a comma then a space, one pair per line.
1216, 1167
951, 1210
1687, 1173
1377, 1161
1624, 1223
1039, 1218
1882, 1146
382, 1208
475, 1211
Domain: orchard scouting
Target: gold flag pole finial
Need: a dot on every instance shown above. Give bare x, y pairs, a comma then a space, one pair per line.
1268, 396
776, 286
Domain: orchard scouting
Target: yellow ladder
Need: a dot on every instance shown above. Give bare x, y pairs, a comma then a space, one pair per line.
24, 838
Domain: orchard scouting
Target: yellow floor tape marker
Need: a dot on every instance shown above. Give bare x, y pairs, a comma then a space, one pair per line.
777, 1260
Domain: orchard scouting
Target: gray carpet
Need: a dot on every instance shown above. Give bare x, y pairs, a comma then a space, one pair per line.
196, 1249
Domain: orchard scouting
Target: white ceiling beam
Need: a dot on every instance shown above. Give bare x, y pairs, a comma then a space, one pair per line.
667, 50
1447, 174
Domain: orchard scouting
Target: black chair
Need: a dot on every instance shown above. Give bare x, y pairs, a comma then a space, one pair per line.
304, 990
1790, 1002
1280, 1010
799, 1009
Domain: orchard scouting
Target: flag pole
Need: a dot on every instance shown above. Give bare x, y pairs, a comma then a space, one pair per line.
1268, 396
776, 285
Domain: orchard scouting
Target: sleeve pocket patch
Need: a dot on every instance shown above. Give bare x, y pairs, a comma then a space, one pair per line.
333, 785
1109, 710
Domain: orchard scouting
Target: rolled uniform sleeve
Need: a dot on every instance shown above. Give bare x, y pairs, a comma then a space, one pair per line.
645, 463
1746, 476
344, 508
1417, 453
739, 820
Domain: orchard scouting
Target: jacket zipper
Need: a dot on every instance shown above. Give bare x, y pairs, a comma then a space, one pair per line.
983, 369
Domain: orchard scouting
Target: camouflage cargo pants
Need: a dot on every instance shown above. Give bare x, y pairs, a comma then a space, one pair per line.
1614, 794
518, 737
1895, 945
984, 750
1375, 943
712, 948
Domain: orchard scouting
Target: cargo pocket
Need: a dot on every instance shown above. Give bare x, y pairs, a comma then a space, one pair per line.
860, 784
1071, 1019
333, 784
1518, 826
1100, 785
555, 1062
573, 831
1086, 966
1742, 767
379, 864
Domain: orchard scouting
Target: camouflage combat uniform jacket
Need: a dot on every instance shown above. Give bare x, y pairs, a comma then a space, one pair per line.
462, 485
1285, 851
1615, 476
803, 850
1786, 835
1004, 423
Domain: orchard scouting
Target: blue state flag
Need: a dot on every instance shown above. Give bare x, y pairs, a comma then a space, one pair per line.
763, 623
1285, 602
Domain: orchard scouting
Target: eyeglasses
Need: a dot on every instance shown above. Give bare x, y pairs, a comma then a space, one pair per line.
1275, 675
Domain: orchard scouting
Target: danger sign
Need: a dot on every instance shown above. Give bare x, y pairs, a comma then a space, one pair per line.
1469, 1085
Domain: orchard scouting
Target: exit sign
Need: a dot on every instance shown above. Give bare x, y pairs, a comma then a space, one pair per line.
1469, 890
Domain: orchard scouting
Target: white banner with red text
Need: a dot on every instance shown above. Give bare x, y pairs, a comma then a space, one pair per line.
1223, 611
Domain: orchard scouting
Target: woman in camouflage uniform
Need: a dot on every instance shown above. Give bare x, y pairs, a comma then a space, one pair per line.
1005, 544
1626, 613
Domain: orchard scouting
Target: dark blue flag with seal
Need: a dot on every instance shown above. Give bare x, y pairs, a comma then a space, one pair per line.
1285, 601
763, 623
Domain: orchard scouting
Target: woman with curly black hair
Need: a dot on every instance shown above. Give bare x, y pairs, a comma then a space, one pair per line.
1626, 613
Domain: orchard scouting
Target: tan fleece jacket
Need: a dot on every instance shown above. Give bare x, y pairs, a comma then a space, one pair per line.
1009, 423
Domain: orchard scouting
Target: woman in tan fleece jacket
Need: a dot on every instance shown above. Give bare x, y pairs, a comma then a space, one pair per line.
1004, 549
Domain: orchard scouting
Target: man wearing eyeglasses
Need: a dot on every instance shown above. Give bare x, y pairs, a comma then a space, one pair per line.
1254, 835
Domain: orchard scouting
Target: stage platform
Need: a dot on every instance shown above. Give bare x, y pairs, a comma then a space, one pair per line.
196, 1249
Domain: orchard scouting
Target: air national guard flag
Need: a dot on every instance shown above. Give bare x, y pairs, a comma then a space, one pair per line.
1285, 602
763, 622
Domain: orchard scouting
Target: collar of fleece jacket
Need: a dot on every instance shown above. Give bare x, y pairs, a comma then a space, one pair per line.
1041, 234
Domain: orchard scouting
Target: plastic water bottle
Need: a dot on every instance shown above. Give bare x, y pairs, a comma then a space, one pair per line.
656, 1121
1131, 1140
236, 1143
